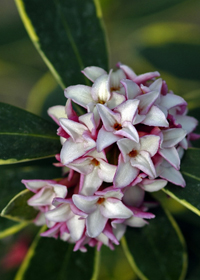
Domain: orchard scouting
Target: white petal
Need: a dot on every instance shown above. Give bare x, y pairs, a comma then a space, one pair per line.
143, 162
126, 146
88, 120
74, 129
171, 155
115, 100
105, 139
135, 222
133, 196
76, 227
85, 203
80, 94
108, 117
57, 112
150, 143
60, 190
59, 214
82, 165
156, 85
72, 150
131, 88
146, 101
128, 71
101, 89
119, 230
153, 185
128, 131
113, 208
125, 174
171, 100
95, 223
106, 171
42, 198
91, 182
188, 123
155, 117
172, 136
128, 110
172, 175
93, 72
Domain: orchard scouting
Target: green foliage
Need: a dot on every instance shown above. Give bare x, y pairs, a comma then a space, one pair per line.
25, 136
157, 251
69, 42
188, 196
18, 209
53, 259
11, 176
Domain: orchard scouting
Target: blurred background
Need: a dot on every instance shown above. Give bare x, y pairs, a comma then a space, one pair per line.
146, 35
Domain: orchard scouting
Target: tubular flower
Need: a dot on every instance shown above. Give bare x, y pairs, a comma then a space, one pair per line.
129, 142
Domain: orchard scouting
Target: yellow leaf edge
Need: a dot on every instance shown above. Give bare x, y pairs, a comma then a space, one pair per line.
182, 201
29, 255
32, 34
96, 265
12, 230
182, 240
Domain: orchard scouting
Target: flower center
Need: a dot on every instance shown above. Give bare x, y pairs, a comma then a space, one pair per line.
133, 153
95, 162
117, 126
101, 101
100, 200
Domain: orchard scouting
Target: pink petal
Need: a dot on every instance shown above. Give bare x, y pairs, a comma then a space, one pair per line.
74, 129
128, 131
127, 70
145, 77
171, 100
187, 123
172, 175
108, 117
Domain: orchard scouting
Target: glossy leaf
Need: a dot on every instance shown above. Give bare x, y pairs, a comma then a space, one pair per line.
11, 176
53, 259
25, 136
176, 65
8, 227
156, 251
188, 196
18, 209
68, 35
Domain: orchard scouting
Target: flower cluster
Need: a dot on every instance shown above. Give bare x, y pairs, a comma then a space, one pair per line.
129, 141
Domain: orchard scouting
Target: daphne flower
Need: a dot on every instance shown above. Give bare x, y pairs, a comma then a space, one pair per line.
101, 207
135, 157
94, 169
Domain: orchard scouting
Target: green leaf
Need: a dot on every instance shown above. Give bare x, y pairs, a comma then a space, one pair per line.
53, 259
8, 227
176, 65
18, 209
156, 251
188, 196
68, 35
11, 176
25, 136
